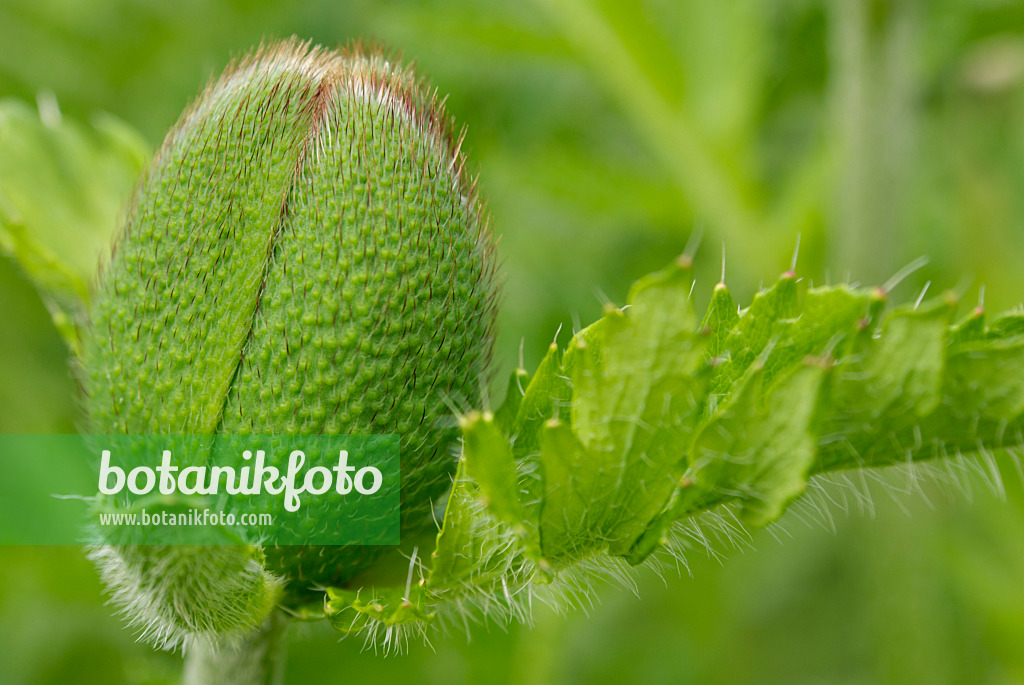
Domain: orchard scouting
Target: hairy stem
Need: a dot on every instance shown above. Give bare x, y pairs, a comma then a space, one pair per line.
257, 660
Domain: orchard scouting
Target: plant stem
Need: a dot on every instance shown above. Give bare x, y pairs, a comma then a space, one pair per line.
257, 660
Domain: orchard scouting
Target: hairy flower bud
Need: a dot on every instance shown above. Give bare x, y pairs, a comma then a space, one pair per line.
304, 255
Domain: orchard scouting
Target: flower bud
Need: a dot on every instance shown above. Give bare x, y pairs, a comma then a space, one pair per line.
305, 255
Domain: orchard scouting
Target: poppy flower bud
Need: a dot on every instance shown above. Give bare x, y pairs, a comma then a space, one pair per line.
305, 254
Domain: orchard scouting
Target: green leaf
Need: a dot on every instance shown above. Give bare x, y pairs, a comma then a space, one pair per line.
453, 557
648, 419
488, 459
1006, 325
758, 449
548, 389
760, 326
567, 529
548, 394
635, 402
505, 416
721, 317
987, 379
63, 188
473, 553
352, 611
884, 389
828, 323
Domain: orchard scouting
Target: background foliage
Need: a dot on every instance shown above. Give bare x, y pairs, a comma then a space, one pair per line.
606, 133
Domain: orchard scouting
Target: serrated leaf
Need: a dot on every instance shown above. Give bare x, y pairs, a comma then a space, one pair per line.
971, 329
566, 529
904, 365
721, 317
547, 390
635, 400
987, 378
827, 324
453, 557
473, 551
630, 439
505, 415
352, 611
1006, 325
488, 461
548, 394
884, 388
759, 449
762, 324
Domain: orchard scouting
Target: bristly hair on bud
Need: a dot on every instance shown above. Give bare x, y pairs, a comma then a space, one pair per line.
305, 254
181, 596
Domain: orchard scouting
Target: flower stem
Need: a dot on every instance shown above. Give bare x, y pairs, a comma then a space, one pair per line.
257, 660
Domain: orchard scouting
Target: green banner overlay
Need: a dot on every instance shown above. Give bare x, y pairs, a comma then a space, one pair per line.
199, 489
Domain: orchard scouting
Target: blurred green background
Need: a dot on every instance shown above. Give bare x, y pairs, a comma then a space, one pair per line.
606, 134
